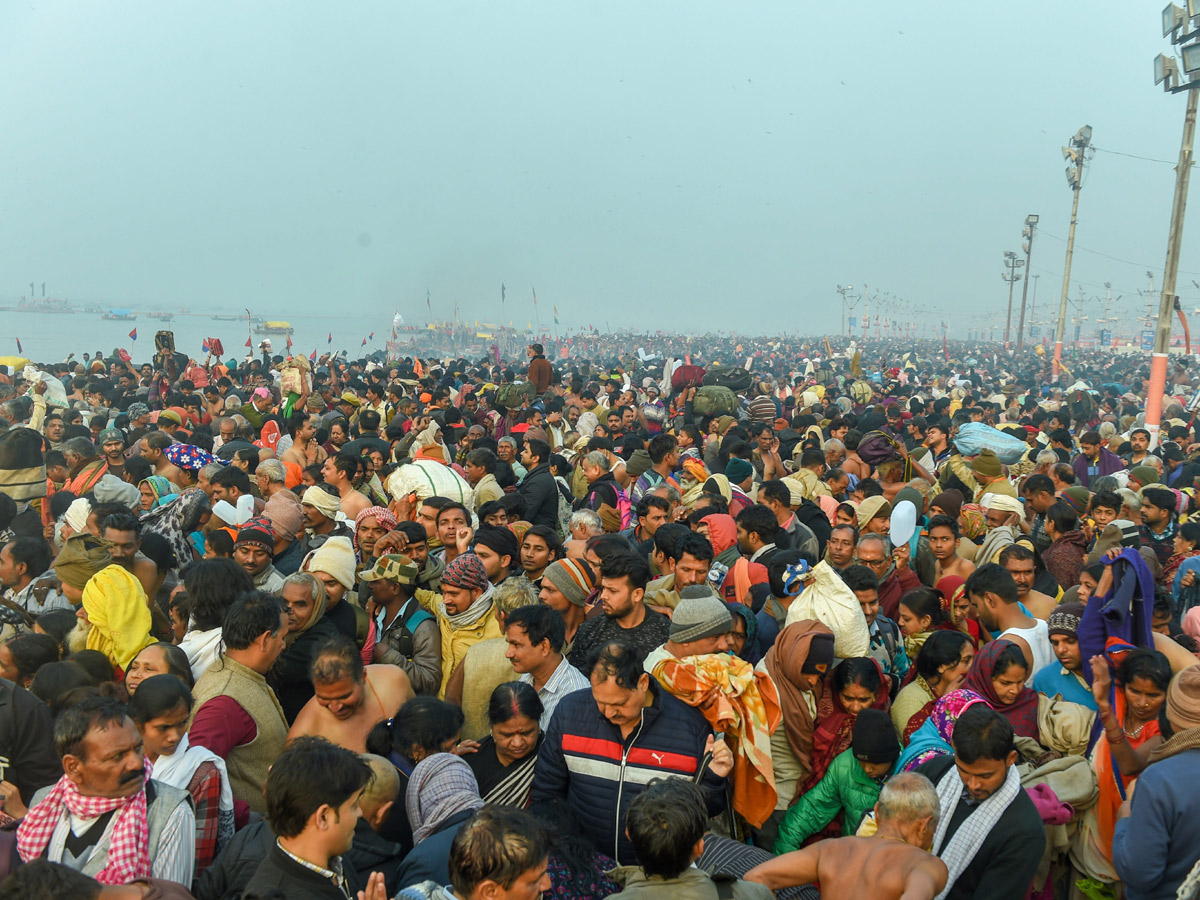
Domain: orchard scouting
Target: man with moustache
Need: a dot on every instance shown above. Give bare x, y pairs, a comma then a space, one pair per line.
105, 817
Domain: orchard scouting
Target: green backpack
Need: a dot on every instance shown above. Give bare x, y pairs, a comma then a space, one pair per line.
513, 396
714, 400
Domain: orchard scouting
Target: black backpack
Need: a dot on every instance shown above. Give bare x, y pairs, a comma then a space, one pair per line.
733, 377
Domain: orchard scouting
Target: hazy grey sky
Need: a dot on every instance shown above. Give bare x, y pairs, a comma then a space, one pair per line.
670, 164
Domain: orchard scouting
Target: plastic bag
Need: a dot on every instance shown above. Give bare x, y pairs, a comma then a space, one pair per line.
428, 478
56, 394
974, 437
830, 601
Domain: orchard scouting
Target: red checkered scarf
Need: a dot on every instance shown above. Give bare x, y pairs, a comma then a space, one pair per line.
129, 847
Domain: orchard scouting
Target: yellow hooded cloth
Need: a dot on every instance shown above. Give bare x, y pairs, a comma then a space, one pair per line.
119, 614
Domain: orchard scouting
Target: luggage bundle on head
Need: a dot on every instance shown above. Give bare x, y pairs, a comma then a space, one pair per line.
877, 448
22, 467
714, 400
974, 437
825, 377
733, 377
685, 377
513, 396
860, 392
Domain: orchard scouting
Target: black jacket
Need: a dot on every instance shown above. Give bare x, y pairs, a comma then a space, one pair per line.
236, 864
1004, 866
372, 853
541, 496
278, 871
26, 741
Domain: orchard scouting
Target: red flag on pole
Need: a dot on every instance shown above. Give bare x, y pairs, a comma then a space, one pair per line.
133, 335
19, 350
248, 344
204, 346
364, 343
330, 340
313, 356
289, 342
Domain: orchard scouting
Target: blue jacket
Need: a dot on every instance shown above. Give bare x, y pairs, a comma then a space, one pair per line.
585, 761
1157, 845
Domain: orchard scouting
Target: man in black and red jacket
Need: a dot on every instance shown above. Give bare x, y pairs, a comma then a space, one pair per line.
605, 744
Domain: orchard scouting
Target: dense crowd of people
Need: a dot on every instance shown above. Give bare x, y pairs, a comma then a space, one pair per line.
730, 618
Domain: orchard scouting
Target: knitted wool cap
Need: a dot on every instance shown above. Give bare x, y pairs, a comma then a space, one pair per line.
700, 617
574, 579
1065, 619
874, 737
466, 572
1144, 475
820, 655
738, 470
950, 502
986, 465
256, 533
1077, 497
334, 557
1183, 700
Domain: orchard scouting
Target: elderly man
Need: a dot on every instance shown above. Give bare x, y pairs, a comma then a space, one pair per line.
86, 466
271, 478
105, 816
1003, 513
893, 572
891, 864
587, 760
321, 510
253, 549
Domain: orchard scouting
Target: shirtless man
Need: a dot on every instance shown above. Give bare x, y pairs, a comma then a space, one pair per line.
152, 446
943, 544
339, 472
124, 533
304, 450
349, 699
888, 866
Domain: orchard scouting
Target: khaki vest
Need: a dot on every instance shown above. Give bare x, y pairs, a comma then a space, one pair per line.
248, 764
485, 668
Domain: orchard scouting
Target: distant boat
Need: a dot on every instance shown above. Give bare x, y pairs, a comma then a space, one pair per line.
227, 318
274, 328
160, 315
120, 315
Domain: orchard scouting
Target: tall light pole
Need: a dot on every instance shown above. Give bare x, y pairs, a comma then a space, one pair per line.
844, 290
1012, 264
1026, 233
1074, 154
1175, 21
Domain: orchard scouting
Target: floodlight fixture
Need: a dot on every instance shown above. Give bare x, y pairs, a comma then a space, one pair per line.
1172, 18
1191, 59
